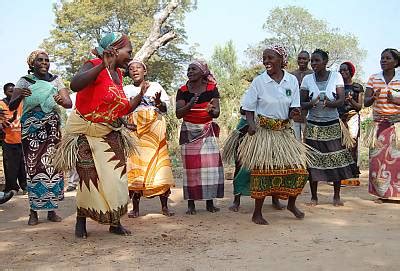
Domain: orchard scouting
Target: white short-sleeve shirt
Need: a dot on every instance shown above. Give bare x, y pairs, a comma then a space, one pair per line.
268, 98
132, 91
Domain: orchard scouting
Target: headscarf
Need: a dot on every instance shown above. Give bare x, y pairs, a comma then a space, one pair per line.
32, 56
113, 39
351, 67
280, 50
137, 61
202, 65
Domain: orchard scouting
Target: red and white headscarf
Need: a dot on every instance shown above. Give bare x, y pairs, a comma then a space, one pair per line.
280, 50
202, 65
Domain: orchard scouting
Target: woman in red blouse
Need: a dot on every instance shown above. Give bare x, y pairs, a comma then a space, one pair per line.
197, 102
95, 132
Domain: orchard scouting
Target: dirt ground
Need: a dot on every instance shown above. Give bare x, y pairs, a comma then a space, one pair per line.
362, 235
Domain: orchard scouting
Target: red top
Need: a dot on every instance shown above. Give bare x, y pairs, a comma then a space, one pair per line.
198, 113
102, 100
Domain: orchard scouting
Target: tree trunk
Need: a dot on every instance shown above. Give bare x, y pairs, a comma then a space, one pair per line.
156, 37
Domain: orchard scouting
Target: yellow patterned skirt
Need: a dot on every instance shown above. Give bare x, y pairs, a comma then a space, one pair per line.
149, 170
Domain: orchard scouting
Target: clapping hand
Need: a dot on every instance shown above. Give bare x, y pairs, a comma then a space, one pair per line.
26, 92
210, 106
58, 99
157, 98
376, 94
295, 114
194, 99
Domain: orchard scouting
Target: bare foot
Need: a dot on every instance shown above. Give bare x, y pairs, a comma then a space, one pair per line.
212, 209
277, 204
297, 213
120, 230
210, 206
379, 200
312, 203
258, 219
234, 207
191, 211
80, 228
167, 212
133, 214
337, 202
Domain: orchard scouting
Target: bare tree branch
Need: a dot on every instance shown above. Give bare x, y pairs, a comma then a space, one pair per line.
156, 38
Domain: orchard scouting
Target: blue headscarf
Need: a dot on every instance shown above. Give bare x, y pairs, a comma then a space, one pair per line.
113, 39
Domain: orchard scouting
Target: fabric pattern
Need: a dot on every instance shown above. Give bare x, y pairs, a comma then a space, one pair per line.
103, 190
282, 183
40, 135
203, 172
382, 106
103, 100
384, 163
332, 161
149, 170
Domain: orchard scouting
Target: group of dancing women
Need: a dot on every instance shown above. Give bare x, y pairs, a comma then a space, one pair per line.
115, 137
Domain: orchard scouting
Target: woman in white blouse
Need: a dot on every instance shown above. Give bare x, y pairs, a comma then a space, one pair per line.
149, 170
277, 161
322, 92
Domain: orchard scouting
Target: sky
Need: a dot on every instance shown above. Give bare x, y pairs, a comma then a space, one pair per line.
24, 24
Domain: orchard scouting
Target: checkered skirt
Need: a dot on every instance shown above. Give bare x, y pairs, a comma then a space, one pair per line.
203, 172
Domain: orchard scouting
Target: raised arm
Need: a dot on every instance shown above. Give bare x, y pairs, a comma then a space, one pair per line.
86, 75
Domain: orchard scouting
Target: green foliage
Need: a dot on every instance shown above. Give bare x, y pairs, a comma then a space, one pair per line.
298, 30
232, 83
81, 23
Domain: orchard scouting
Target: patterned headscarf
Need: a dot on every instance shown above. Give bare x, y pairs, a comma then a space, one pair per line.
32, 56
202, 65
280, 50
137, 61
113, 39
351, 67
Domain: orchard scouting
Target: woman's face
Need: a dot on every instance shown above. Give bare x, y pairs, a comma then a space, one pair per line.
41, 64
345, 72
388, 62
124, 56
272, 61
194, 73
318, 63
137, 72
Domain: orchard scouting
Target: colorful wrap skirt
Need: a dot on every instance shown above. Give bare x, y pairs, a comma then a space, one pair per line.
276, 159
149, 170
40, 135
332, 161
384, 161
203, 172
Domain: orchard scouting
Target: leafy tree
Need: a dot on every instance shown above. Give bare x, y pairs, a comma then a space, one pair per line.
155, 28
231, 84
298, 29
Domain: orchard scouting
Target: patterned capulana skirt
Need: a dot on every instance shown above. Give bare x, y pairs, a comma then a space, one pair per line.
276, 159
332, 161
40, 135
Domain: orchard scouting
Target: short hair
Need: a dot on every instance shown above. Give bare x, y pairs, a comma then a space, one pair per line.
322, 53
304, 52
8, 85
394, 53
